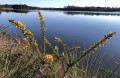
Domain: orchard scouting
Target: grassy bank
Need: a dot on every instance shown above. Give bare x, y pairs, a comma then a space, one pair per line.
27, 59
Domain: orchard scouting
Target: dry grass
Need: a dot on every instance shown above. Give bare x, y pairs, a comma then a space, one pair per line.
7, 45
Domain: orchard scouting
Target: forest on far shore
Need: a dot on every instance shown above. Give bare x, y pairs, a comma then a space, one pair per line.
66, 8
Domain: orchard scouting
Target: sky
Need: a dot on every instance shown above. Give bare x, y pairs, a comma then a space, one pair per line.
62, 3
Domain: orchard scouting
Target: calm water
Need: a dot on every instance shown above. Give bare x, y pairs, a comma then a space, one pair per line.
74, 28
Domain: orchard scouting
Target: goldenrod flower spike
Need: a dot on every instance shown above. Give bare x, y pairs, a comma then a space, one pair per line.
74, 49
21, 27
43, 33
94, 47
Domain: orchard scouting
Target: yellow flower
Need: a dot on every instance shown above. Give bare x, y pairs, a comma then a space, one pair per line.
43, 20
24, 28
103, 42
74, 48
14, 21
18, 23
49, 58
27, 42
56, 48
63, 54
28, 32
25, 31
58, 39
40, 20
110, 32
35, 43
105, 35
113, 34
99, 45
106, 40
92, 51
24, 39
42, 17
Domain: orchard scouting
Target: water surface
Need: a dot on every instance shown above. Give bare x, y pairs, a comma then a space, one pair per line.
74, 28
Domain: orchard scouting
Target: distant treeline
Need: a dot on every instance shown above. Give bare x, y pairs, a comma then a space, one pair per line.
75, 8
66, 8
92, 13
22, 7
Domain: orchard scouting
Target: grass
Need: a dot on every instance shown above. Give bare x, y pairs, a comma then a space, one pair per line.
27, 59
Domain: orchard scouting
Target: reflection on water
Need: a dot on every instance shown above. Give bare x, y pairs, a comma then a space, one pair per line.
15, 11
93, 13
0, 12
70, 12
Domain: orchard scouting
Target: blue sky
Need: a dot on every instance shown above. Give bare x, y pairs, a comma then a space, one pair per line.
61, 3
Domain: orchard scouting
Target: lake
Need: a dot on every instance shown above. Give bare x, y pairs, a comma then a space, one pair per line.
74, 28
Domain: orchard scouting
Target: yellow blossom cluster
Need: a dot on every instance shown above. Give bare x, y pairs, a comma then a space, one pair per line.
42, 21
49, 58
74, 48
25, 47
58, 39
44, 29
25, 41
35, 43
42, 18
101, 42
27, 33
20, 26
